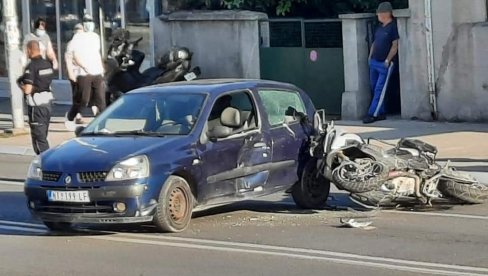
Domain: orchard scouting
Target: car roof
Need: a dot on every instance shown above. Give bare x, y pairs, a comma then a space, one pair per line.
211, 86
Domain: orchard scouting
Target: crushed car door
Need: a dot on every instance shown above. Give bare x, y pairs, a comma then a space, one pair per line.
236, 165
288, 134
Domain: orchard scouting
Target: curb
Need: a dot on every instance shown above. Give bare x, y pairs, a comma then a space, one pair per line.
17, 150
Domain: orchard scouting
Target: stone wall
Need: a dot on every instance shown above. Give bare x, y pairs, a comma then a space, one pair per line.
225, 43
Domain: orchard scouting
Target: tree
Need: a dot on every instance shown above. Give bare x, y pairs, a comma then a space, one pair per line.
300, 8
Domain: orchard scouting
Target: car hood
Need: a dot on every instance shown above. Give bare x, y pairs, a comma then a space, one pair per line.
85, 154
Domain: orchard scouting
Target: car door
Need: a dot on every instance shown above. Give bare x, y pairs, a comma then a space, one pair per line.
288, 134
235, 165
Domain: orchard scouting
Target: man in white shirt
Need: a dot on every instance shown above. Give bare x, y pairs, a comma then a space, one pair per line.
72, 68
85, 47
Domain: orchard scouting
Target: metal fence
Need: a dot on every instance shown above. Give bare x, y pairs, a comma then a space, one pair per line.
311, 33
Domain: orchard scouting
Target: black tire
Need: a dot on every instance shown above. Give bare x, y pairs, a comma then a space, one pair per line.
469, 193
312, 191
175, 206
373, 199
357, 186
59, 226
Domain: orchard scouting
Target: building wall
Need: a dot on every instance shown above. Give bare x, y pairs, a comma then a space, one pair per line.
225, 43
460, 35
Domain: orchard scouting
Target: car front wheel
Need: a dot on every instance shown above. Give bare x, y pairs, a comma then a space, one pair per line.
175, 207
312, 191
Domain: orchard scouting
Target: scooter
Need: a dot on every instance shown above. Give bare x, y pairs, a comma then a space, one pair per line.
385, 174
124, 62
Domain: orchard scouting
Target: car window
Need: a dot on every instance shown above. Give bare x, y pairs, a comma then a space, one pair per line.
277, 104
164, 113
240, 101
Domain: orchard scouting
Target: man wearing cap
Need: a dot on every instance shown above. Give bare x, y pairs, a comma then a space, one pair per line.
381, 57
86, 54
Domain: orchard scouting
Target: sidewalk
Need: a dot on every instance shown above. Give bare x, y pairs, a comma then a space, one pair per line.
460, 142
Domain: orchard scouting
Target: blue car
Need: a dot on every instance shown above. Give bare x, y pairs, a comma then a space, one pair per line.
159, 153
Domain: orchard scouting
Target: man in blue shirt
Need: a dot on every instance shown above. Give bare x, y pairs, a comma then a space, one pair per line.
383, 51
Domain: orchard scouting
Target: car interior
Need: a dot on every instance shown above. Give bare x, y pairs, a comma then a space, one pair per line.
235, 111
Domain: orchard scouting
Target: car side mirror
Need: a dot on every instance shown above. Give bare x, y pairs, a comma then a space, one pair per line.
219, 132
319, 123
79, 130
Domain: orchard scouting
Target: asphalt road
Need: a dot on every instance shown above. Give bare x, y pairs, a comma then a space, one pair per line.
265, 237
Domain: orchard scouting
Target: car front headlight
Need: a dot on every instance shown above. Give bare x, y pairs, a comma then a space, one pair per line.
35, 170
132, 168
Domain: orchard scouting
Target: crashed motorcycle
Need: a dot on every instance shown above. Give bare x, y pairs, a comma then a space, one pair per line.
123, 65
385, 174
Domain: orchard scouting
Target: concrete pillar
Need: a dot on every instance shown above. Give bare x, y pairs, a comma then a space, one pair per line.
226, 44
357, 95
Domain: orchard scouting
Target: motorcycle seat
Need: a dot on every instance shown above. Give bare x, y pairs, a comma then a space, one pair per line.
418, 145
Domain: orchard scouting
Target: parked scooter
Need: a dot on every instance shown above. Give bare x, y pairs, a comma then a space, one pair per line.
124, 62
387, 176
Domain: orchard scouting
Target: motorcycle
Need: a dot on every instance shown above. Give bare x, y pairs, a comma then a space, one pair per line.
123, 65
389, 174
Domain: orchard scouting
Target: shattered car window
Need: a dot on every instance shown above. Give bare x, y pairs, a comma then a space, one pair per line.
276, 104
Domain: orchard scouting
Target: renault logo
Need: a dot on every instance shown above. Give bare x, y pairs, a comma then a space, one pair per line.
67, 180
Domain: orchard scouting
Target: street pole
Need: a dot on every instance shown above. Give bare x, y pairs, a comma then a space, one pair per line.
14, 62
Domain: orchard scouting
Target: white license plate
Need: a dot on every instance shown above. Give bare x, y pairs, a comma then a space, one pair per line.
190, 76
68, 196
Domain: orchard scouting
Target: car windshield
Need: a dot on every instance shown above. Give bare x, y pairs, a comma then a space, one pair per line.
157, 114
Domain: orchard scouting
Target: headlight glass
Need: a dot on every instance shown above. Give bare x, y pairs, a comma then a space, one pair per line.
132, 168
35, 170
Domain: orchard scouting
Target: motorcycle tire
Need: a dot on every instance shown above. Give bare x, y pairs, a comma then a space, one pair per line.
359, 186
374, 199
468, 193
312, 191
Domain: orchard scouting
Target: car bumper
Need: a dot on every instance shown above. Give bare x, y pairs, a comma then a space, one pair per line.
100, 209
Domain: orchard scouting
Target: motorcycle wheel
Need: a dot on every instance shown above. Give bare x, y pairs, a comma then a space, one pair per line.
357, 184
468, 193
312, 191
374, 199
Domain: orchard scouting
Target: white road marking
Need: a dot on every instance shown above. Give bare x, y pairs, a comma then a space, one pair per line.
22, 223
22, 229
464, 216
13, 183
431, 271
290, 252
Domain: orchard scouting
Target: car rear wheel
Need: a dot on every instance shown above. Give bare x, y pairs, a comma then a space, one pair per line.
175, 207
312, 191
58, 226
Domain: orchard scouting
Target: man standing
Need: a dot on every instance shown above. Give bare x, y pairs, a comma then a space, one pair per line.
72, 68
36, 85
45, 45
86, 54
383, 51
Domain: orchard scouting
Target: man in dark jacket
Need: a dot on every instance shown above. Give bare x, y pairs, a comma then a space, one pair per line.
383, 51
36, 85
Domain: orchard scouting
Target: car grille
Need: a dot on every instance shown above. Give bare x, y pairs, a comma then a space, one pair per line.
51, 176
89, 177
101, 207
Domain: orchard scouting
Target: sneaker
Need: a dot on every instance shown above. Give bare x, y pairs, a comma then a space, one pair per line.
94, 110
79, 121
381, 118
369, 120
70, 125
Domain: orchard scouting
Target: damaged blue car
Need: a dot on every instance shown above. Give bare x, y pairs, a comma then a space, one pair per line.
159, 153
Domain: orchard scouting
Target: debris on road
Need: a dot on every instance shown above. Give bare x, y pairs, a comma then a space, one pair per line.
352, 223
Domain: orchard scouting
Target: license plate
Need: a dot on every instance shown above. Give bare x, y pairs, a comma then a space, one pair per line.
190, 76
68, 196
